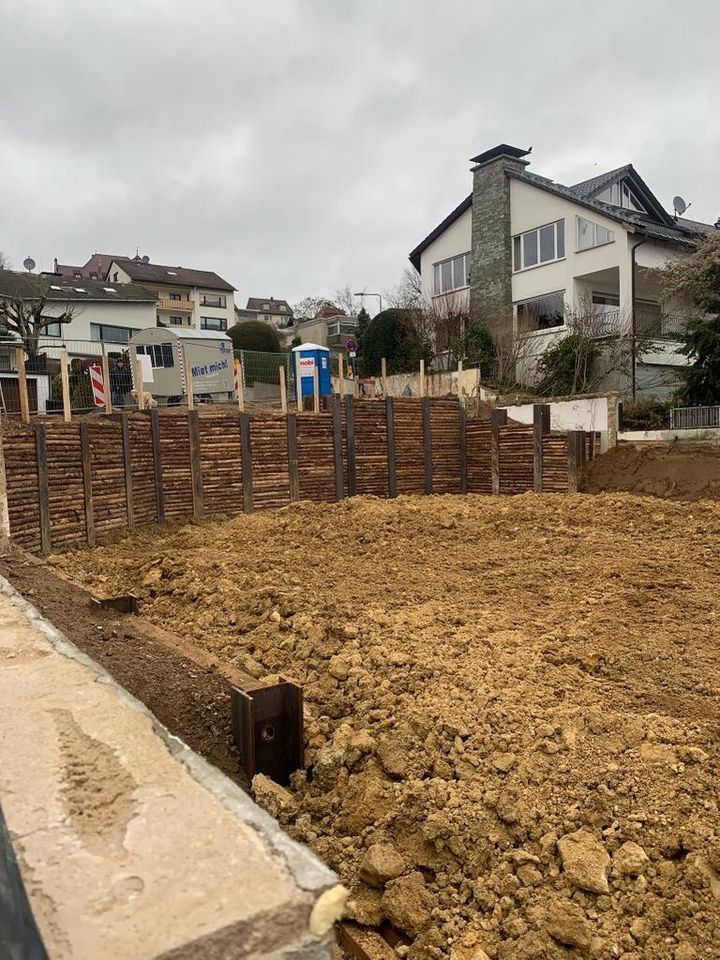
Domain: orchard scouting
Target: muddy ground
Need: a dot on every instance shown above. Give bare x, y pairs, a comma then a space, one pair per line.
512, 706
678, 471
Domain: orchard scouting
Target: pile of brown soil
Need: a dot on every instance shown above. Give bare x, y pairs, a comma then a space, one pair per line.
513, 711
676, 471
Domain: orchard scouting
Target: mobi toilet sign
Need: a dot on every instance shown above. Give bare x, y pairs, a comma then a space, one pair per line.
307, 366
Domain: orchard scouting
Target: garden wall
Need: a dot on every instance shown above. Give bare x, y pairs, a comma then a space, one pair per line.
77, 482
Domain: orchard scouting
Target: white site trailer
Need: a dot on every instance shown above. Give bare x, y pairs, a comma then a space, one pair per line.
166, 354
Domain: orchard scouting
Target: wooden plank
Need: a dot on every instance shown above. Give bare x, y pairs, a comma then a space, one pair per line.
337, 446
462, 417
541, 426
139, 385
350, 437
157, 466
498, 418
65, 379
247, 470
391, 454
240, 385
422, 378
383, 376
293, 471
283, 391
316, 389
87, 482
427, 443
189, 385
43, 495
22, 385
128, 469
341, 374
197, 484
106, 383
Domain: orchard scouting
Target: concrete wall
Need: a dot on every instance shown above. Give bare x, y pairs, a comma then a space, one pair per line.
592, 414
131, 846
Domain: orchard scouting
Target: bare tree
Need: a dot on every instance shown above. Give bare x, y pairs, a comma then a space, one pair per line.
28, 320
4, 262
407, 293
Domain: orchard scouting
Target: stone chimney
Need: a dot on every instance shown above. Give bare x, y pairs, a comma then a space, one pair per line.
491, 270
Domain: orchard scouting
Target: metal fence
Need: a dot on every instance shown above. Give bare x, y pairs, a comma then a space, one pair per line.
261, 376
694, 418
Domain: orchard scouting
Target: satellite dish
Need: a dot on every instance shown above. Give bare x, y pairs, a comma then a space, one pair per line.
29, 264
679, 206
146, 259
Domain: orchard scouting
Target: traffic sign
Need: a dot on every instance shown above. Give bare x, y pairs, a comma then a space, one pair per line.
351, 345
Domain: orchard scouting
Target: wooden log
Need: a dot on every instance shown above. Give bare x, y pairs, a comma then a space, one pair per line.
87, 483
247, 465
383, 376
350, 440
197, 483
462, 427
391, 457
22, 385
139, 384
541, 426
189, 385
427, 442
128, 470
498, 418
65, 379
283, 391
43, 497
341, 374
422, 379
240, 385
157, 466
337, 447
106, 383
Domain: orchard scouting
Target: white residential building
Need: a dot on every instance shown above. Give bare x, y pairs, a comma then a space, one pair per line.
524, 254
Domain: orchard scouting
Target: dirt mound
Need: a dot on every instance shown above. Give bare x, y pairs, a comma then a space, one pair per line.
673, 471
513, 713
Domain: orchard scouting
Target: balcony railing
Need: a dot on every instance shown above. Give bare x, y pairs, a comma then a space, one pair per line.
648, 325
175, 305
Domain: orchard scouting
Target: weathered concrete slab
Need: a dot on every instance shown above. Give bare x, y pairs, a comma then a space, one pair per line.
129, 844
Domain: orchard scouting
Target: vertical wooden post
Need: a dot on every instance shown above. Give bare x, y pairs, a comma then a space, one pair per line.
576, 459
157, 466
498, 418
283, 391
106, 383
350, 436
541, 427
139, 384
391, 460
383, 376
240, 385
87, 482
427, 444
125, 427
43, 494
316, 389
196, 464
298, 383
461, 395
4, 508
462, 428
422, 378
341, 374
64, 377
293, 472
247, 468
189, 385
337, 447
22, 385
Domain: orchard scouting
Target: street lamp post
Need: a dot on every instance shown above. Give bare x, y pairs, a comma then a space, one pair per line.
363, 294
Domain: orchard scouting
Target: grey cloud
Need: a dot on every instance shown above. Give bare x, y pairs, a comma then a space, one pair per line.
298, 145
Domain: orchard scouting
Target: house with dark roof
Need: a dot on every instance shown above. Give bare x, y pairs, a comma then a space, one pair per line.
278, 313
185, 297
531, 258
96, 267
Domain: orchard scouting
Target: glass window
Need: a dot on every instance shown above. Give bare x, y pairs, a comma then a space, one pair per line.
213, 300
590, 234
213, 323
161, 354
542, 245
541, 313
52, 330
174, 296
102, 331
452, 274
447, 282
530, 249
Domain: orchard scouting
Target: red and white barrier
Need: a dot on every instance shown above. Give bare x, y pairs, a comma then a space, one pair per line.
98, 385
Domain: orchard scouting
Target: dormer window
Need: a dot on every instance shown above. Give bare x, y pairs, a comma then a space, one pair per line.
621, 195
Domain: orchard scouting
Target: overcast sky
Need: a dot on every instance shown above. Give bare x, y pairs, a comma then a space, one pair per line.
296, 146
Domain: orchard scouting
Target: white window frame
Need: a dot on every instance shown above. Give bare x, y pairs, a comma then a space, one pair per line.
539, 331
596, 242
518, 246
437, 274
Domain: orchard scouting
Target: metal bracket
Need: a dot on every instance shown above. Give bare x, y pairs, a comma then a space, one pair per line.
127, 603
268, 729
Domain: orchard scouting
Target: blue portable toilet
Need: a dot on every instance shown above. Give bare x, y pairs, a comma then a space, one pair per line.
308, 356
